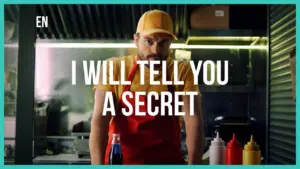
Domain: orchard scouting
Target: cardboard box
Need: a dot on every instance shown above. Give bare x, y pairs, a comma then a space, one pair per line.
210, 17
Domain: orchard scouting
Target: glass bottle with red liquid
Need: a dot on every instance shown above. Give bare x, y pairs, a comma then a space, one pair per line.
115, 155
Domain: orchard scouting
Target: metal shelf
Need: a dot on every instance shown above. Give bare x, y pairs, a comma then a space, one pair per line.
226, 33
10, 102
55, 137
226, 89
226, 37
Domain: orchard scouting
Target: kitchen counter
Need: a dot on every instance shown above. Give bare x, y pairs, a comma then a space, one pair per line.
68, 159
61, 159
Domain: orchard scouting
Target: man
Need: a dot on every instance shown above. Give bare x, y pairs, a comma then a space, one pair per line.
148, 140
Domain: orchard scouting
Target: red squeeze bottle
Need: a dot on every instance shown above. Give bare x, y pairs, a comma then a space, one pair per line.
234, 152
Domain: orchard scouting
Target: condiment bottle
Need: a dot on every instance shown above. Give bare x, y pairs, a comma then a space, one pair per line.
234, 152
251, 153
217, 151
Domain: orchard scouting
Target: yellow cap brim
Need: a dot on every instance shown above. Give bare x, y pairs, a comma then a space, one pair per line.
153, 31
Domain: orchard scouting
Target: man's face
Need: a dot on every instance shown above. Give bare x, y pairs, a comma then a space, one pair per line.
153, 47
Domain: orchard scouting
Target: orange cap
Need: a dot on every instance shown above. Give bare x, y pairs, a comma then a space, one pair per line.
155, 21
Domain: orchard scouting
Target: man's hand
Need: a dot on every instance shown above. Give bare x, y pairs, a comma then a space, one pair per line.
99, 130
194, 130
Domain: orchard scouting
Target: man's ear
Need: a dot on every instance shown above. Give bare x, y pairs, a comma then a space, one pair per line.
136, 39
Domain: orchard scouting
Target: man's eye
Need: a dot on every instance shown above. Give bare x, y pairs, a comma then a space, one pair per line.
163, 43
149, 42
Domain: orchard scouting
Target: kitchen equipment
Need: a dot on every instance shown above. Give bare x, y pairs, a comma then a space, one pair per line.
234, 152
54, 117
242, 126
40, 127
57, 112
251, 153
217, 151
9, 28
8, 151
81, 143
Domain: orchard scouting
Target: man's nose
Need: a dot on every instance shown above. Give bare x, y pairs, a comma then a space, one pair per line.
155, 48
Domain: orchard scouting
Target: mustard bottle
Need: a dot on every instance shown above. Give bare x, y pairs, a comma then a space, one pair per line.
251, 153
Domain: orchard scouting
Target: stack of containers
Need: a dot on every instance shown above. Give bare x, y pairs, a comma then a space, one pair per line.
234, 154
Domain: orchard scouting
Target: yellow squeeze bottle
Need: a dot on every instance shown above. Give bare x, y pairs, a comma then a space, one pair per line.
251, 153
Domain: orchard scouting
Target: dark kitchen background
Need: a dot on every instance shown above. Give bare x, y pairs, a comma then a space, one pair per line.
257, 99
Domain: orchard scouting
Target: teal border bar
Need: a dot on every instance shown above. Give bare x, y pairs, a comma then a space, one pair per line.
297, 84
2, 82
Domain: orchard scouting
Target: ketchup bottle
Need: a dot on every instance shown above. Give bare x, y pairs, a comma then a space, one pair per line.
234, 152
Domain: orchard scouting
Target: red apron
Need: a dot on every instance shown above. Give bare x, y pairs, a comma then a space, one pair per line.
146, 139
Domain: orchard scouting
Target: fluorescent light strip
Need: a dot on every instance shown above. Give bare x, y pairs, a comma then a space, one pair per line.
132, 45
222, 38
175, 46
86, 45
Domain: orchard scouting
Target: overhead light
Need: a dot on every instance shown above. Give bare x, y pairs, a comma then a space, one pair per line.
183, 46
132, 45
85, 45
222, 38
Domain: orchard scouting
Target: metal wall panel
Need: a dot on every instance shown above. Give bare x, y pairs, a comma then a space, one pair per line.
282, 122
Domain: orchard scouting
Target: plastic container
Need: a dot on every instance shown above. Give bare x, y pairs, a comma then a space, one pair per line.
217, 151
251, 153
234, 152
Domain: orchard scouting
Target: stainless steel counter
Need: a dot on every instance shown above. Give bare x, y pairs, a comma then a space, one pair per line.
61, 159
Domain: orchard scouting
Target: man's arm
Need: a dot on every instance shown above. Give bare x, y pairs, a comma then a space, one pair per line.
194, 130
99, 130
